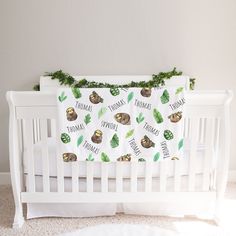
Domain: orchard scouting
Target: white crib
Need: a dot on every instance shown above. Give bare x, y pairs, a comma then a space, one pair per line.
198, 180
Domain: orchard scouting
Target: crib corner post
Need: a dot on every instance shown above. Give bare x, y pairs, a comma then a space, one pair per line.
18, 219
222, 167
218, 209
15, 164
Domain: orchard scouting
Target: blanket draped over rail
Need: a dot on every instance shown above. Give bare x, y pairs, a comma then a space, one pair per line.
120, 124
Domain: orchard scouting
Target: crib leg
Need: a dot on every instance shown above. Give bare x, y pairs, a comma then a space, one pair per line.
16, 189
15, 164
18, 219
217, 216
223, 167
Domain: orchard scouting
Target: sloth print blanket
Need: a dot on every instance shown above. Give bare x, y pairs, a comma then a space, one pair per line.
120, 124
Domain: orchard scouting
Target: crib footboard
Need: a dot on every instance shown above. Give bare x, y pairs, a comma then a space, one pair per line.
33, 119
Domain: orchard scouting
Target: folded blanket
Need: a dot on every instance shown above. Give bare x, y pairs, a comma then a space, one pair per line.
120, 124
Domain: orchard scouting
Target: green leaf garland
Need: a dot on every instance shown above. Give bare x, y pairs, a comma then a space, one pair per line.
156, 81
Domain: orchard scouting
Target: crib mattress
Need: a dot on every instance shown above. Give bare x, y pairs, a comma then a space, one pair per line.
37, 150
105, 209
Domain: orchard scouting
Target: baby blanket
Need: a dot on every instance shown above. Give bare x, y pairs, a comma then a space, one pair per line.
120, 124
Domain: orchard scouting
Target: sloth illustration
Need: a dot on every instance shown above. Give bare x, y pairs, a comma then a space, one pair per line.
175, 117
126, 157
122, 118
174, 158
146, 92
67, 157
71, 114
95, 98
97, 136
146, 142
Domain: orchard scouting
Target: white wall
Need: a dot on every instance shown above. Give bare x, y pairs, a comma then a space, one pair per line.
115, 37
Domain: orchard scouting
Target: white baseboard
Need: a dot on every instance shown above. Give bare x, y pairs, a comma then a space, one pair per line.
5, 177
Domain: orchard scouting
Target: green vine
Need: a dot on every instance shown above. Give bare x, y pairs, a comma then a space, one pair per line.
156, 81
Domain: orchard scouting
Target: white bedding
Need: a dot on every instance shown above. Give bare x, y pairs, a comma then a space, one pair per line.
111, 173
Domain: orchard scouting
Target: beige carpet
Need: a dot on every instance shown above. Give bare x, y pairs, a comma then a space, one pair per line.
54, 226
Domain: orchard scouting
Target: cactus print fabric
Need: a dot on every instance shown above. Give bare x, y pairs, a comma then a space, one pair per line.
120, 124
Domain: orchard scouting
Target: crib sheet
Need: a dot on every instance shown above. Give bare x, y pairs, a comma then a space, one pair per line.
35, 210
111, 173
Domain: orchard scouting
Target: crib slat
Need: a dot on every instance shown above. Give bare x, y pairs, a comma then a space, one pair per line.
60, 164
133, 179
60, 174
202, 129
208, 153
162, 176
216, 147
20, 134
186, 127
217, 133
75, 176
35, 131
53, 128
119, 177
38, 129
148, 176
104, 178
193, 152
30, 155
45, 157
177, 178
89, 173
21, 144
